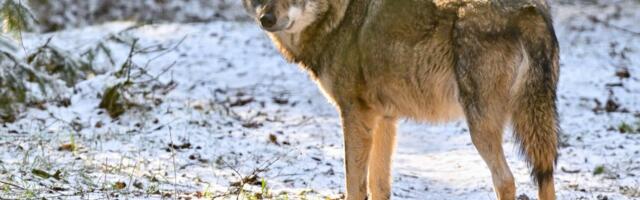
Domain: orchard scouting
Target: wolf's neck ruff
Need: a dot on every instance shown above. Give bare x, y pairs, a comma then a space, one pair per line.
314, 24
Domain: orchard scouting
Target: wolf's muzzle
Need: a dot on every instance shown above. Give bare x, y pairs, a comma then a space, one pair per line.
268, 20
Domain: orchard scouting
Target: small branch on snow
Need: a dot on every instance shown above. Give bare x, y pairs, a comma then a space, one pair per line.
12, 185
596, 20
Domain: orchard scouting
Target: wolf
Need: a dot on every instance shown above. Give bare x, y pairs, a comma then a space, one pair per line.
492, 62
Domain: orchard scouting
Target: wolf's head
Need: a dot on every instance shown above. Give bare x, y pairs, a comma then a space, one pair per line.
291, 16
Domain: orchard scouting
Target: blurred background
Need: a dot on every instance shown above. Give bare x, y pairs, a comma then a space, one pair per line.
60, 14
188, 99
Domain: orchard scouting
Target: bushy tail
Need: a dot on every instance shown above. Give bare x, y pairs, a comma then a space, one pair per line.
535, 119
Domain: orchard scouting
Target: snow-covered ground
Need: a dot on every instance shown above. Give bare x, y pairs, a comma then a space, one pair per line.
237, 115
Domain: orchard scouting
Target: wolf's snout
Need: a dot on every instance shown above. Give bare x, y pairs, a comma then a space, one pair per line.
268, 20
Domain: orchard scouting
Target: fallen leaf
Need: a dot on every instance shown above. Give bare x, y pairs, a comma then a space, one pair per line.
119, 185
67, 147
41, 173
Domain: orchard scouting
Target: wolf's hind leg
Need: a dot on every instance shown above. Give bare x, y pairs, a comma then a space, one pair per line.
486, 135
486, 124
384, 140
484, 72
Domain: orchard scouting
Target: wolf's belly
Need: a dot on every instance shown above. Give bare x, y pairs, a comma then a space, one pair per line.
431, 98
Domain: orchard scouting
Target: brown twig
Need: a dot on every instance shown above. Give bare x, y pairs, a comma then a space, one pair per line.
595, 19
12, 185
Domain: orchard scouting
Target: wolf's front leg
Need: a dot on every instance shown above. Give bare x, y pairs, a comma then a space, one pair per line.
358, 125
384, 141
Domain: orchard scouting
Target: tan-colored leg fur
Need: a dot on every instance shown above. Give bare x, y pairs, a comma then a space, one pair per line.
487, 138
358, 125
384, 141
485, 101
